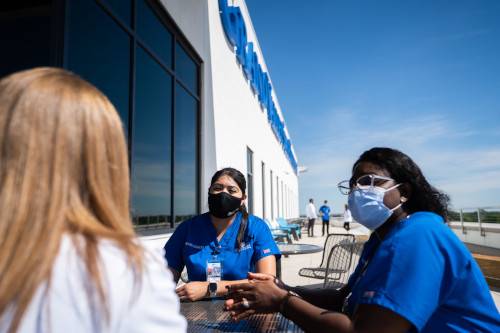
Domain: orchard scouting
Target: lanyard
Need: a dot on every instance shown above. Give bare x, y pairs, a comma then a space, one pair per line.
360, 275
365, 267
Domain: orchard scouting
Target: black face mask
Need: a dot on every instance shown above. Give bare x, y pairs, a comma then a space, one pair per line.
223, 205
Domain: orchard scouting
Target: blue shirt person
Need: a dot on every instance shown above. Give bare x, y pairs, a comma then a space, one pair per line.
414, 274
225, 240
325, 217
325, 211
443, 290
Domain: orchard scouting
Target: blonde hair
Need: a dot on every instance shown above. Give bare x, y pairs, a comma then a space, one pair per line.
63, 170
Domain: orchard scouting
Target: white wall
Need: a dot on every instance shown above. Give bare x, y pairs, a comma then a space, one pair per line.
232, 118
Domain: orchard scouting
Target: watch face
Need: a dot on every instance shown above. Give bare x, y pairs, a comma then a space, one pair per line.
213, 287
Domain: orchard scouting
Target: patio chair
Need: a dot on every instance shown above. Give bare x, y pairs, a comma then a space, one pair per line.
301, 221
330, 241
342, 261
289, 229
278, 233
295, 227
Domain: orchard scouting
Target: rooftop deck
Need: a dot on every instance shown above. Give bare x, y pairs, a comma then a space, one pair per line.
292, 264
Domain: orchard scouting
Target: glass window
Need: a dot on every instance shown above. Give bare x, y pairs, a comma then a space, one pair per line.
122, 8
272, 195
154, 33
185, 165
263, 190
151, 163
99, 51
278, 196
250, 180
186, 69
25, 30
282, 201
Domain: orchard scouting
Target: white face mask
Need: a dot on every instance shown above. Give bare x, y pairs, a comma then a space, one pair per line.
367, 206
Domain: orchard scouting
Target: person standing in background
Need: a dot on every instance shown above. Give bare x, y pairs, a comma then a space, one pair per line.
347, 218
325, 217
311, 217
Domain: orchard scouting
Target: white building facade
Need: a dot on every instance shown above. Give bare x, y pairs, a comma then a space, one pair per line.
234, 123
191, 85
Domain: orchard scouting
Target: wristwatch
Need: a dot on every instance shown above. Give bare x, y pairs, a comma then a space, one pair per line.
212, 289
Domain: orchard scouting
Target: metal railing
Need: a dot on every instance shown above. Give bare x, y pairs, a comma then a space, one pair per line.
480, 215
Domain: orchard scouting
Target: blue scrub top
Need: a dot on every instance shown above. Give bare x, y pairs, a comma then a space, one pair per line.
326, 212
194, 241
424, 273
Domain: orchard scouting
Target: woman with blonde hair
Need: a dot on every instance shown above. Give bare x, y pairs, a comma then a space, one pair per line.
69, 258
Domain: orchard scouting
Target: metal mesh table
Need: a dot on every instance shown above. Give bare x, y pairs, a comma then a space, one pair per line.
209, 316
290, 249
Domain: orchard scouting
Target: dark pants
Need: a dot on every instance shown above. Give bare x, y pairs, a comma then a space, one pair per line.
310, 227
326, 223
346, 226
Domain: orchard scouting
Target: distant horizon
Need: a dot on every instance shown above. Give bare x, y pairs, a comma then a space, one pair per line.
421, 77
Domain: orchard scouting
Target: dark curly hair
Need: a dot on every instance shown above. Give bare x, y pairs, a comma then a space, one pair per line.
424, 196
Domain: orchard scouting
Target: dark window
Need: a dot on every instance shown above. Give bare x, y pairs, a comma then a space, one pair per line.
250, 180
263, 190
272, 195
278, 196
282, 201
153, 33
99, 51
288, 202
185, 148
151, 162
125, 48
122, 8
186, 69
25, 27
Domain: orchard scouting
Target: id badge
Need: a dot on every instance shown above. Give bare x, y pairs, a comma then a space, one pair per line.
214, 269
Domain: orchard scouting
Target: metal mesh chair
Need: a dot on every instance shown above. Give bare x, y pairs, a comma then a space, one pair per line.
342, 261
320, 271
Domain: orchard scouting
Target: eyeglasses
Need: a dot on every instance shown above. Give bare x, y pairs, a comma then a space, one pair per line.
365, 181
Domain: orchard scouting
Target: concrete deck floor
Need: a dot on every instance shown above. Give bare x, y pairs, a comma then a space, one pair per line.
290, 266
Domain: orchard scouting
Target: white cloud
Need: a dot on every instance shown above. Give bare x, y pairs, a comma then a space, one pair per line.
470, 175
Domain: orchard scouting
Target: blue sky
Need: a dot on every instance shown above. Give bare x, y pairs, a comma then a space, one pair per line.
419, 76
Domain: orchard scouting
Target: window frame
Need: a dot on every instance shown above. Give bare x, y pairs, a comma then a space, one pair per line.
60, 41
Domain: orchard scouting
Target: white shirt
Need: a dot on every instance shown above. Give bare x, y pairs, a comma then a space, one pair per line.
311, 211
347, 216
64, 308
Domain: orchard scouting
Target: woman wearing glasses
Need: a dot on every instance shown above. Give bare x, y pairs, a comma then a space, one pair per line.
414, 273
220, 247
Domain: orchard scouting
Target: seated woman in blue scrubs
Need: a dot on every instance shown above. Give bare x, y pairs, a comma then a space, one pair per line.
220, 247
414, 274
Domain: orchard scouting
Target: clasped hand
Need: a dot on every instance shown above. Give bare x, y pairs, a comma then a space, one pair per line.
260, 295
192, 291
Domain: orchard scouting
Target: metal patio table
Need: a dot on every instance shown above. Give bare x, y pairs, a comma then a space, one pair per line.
209, 316
293, 249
